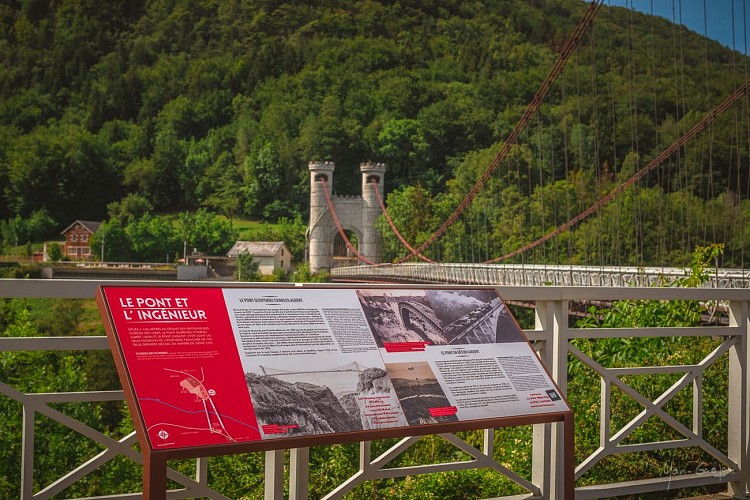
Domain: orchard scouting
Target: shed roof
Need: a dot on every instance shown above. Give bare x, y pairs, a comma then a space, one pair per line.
257, 248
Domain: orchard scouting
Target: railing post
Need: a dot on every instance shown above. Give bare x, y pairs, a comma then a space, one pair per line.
738, 433
548, 443
27, 456
299, 473
201, 470
274, 476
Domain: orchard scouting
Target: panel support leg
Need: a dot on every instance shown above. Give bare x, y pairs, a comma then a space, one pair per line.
549, 445
738, 433
154, 476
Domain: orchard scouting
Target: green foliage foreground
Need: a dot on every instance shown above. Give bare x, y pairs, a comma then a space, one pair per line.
651, 351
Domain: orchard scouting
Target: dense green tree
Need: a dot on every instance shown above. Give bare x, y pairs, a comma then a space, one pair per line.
7, 137
55, 167
131, 207
152, 239
412, 214
264, 181
54, 252
290, 231
112, 238
37, 227
40, 225
404, 147
247, 268
127, 142
158, 238
205, 232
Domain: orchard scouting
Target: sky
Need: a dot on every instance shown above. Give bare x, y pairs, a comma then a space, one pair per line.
716, 23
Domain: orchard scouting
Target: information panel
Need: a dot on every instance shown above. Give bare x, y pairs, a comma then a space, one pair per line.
215, 366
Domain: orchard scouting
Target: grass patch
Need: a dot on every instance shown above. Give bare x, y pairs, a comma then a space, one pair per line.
250, 230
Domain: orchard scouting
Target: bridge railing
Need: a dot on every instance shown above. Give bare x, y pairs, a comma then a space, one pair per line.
557, 343
535, 275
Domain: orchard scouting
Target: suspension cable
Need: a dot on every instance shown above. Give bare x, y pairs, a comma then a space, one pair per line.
679, 143
565, 54
393, 226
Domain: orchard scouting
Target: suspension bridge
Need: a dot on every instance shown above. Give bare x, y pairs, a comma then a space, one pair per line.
551, 208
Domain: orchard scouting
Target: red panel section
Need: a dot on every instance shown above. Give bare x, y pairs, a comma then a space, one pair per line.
405, 346
184, 365
442, 411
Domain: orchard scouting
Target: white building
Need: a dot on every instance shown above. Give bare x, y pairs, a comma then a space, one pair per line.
269, 255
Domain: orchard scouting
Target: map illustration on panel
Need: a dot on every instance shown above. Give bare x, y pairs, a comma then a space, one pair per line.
193, 410
438, 317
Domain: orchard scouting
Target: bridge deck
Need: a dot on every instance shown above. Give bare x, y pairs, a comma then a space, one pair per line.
534, 275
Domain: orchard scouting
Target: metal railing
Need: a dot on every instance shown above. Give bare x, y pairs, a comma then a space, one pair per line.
535, 275
556, 344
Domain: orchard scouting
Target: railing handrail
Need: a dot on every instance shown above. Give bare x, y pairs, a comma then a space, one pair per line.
86, 289
536, 274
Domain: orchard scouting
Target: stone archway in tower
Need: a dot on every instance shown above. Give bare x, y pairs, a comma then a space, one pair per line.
342, 255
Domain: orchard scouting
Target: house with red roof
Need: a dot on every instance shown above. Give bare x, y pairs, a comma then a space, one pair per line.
78, 235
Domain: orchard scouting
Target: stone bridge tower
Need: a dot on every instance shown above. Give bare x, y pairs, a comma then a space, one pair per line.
355, 213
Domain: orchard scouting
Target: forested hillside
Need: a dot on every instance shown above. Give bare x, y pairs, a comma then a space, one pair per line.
180, 105
155, 115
